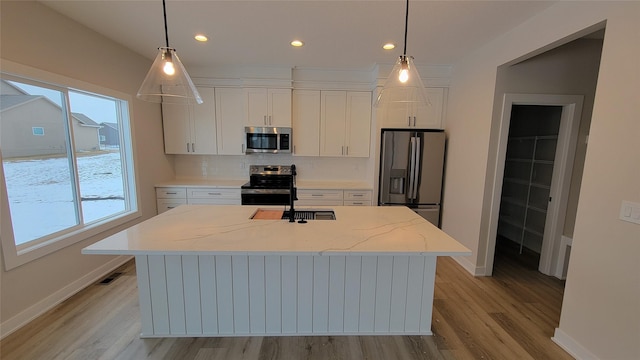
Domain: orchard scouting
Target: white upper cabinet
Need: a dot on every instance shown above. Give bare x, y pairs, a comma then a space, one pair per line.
268, 107
345, 123
191, 129
306, 122
229, 116
429, 117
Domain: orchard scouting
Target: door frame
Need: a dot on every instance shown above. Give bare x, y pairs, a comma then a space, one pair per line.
561, 179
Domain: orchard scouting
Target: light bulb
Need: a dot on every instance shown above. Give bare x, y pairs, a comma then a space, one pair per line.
404, 75
168, 68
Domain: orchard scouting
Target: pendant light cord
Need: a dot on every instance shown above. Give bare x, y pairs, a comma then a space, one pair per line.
406, 26
166, 32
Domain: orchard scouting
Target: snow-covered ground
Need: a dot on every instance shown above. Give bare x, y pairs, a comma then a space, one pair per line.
41, 196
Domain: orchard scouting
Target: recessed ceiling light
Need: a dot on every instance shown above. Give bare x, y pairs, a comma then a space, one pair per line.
389, 46
297, 43
201, 37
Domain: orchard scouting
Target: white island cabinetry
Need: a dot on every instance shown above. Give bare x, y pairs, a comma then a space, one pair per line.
212, 271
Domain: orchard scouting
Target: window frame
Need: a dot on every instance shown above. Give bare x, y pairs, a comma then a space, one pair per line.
16, 255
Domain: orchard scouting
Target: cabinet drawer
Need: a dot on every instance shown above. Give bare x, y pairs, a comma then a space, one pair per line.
357, 195
320, 195
171, 193
357, 203
213, 193
317, 202
215, 201
168, 204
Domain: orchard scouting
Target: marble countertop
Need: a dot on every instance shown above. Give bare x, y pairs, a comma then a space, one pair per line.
228, 230
236, 183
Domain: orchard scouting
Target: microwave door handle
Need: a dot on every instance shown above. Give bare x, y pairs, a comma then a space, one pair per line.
416, 169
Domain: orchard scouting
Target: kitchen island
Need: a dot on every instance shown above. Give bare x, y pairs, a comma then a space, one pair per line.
211, 270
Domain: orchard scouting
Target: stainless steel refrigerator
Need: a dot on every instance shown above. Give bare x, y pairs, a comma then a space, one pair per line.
411, 168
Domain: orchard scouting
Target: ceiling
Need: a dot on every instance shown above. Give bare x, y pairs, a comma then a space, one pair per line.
337, 34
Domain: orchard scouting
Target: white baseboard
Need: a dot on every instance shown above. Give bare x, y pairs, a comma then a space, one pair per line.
469, 266
571, 346
23, 318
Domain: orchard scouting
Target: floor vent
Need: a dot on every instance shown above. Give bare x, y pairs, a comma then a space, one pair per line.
110, 278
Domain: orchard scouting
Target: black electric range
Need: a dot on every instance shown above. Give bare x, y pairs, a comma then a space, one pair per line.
268, 185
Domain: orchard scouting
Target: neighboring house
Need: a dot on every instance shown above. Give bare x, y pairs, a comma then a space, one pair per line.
32, 125
109, 134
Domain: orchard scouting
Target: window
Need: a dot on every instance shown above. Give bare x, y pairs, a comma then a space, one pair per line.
62, 182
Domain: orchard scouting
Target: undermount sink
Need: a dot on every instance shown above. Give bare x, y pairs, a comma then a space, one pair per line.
325, 214
303, 214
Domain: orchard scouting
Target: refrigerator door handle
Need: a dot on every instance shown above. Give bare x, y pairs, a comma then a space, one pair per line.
412, 168
416, 168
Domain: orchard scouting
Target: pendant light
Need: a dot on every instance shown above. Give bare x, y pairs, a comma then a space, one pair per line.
167, 81
403, 87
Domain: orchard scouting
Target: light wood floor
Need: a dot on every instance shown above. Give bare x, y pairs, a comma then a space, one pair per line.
511, 315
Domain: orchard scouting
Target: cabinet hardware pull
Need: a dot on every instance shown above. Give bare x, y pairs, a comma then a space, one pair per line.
188, 147
193, 147
264, 121
414, 121
270, 120
408, 120
317, 194
171, 193
357, 195
347, 152
214, 193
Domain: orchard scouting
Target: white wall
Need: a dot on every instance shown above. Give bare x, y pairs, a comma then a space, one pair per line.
600, 314
35, 36
570, 69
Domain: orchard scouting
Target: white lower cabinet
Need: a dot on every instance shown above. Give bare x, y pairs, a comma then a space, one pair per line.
308, 197
169, 197
357, 197
213, 196
330, 197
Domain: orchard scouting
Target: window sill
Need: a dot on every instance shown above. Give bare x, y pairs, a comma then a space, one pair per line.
14, 257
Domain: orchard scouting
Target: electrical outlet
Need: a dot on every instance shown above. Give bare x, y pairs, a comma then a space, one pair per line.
630, 211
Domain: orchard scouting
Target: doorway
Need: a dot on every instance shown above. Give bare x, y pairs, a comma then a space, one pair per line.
528, 169
535, 160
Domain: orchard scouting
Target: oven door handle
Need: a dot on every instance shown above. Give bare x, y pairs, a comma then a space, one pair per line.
264, 191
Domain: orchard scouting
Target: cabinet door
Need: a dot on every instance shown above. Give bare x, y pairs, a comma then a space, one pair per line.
268, 107
306, 122
430, 117
203, 130
358, 124
279, 107
229, 116
256, 106
333, 108
176, 126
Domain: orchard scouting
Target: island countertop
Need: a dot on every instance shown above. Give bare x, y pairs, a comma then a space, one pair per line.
228, 230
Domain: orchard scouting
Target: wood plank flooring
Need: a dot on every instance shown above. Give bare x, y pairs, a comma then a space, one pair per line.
511, 315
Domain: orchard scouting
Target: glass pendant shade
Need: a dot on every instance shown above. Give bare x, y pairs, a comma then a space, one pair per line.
168, 81
403, 87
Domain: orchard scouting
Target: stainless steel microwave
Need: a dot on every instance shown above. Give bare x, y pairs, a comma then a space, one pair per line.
267, 139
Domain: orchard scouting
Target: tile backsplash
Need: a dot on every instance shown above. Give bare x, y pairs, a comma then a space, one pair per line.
237, 167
